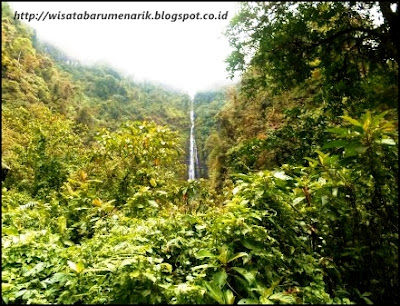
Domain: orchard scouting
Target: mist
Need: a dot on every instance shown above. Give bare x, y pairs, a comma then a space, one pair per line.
185, 55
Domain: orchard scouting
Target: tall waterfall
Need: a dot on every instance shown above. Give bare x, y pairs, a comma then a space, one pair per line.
194, 160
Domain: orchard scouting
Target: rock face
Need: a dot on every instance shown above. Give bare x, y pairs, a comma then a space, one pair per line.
4, 171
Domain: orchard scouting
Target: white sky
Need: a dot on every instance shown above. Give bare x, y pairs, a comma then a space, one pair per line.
185, 55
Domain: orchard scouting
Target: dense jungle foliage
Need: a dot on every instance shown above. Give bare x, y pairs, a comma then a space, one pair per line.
298, 200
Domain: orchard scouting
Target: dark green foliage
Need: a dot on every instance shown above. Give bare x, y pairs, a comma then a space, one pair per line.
206, 106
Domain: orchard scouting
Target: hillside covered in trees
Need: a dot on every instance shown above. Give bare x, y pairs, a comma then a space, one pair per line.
297, 196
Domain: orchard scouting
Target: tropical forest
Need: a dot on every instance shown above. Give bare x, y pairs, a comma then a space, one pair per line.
279, 189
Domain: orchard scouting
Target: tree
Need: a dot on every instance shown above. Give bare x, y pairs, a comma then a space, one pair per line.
280, 44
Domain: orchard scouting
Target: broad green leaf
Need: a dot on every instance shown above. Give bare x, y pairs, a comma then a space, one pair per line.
220, 278
162, 192
367, 120
153, 203
354, 148
283, 298
204, 253
235, 190
386, 141
153, 182
97, 202
252, 245
266, 292
134, 274
58, 278
352, 121
229, 297
36, 269
20, 293
237, 255
78, 268
145, 293
166, 267
248, 301
223, 254
298, 200
335, 144
281, 175
205, 266
72, 265
6, 286
10, 231
266, 301
215, 292
338, 131
377, 118
248, 275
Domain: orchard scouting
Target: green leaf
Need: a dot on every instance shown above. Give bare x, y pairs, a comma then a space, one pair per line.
266, 301
134, 274
166, 267
248, 301
238, 255
386, 141
354, 148
298, 200
266, 292
20, 293
252, 245
338, 131
283, 298
223, 254
367, 300
10, 231
215, 292
281, 175
78, 268
204, 253
153, 203
58, 278
229, 297
6, 286
335, 144
153, 182
36, 269
352, 121
248, 275
220, 278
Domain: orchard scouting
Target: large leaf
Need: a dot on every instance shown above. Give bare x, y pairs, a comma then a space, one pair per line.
352, 121
335, 144
248, 301
249, 276
338, 131
354, 148
237, 255
281, 175
204, 254
215, 292
386, 141
229, 297
282, 298
77, 267
220, 278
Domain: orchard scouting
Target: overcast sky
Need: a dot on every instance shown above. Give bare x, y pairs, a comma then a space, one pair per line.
186, 55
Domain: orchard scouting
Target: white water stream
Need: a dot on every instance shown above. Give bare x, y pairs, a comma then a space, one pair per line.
194, 161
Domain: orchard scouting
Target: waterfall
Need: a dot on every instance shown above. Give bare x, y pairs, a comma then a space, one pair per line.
194, 160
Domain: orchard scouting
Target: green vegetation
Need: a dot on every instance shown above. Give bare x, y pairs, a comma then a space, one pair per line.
206, 107
299, 197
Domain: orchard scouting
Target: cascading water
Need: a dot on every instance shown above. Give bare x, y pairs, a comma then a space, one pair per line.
194, 160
